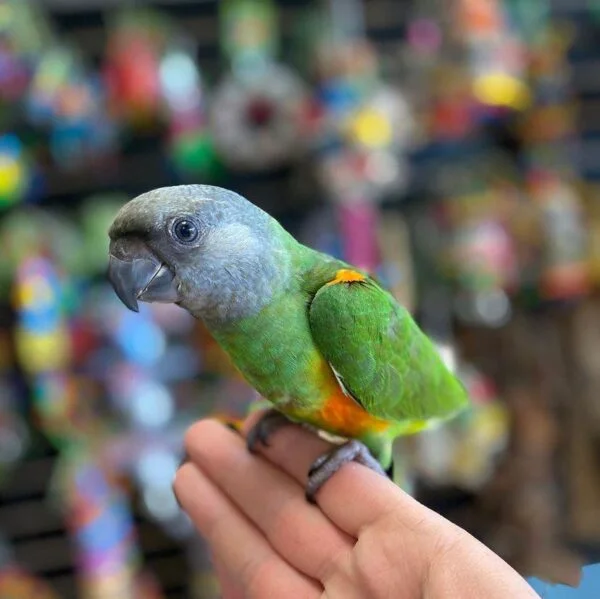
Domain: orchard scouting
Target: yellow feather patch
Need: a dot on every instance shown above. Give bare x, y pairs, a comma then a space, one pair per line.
346, 276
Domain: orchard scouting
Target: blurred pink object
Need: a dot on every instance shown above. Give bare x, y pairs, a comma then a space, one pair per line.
358, 225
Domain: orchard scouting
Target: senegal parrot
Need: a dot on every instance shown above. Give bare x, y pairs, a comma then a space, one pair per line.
323, 341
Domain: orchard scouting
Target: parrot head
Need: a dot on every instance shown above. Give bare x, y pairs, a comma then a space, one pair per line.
204, 248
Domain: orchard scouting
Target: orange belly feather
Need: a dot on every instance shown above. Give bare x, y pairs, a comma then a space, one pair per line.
338, 413
342, 415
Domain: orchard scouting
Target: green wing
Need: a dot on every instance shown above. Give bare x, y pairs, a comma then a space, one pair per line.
380, 355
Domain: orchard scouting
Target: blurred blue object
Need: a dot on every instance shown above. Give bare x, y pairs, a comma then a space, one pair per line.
141, 340
588, 589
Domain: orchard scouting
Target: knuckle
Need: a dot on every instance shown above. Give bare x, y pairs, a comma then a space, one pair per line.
375, 566
286, 530
335, 564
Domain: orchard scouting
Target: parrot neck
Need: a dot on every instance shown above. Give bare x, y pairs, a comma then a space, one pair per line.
242, 293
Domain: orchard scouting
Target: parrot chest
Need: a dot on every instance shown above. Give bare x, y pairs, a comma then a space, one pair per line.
276, 354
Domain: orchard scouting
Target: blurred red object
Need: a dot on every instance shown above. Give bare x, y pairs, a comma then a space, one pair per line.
132, 75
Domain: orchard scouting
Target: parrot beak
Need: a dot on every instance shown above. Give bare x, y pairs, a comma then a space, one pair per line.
144, 278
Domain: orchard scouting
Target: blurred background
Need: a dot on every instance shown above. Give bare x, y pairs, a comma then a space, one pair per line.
449, 146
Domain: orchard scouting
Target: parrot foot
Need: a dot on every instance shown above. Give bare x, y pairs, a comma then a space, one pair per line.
324, 467
271, 421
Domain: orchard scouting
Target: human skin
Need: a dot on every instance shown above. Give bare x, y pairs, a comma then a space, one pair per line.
365, 538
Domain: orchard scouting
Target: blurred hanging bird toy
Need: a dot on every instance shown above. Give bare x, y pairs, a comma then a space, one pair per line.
497, 55
366, 122
102, 526
361, 131
137, 362
481, 254
553, 181
296, 322
82, 485
365, 128
136, 43
256, 112
69, 101
24, 36
565, 272
184, 93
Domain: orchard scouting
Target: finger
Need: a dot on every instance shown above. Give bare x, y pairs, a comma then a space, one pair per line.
272, 500
236, 543
294, 449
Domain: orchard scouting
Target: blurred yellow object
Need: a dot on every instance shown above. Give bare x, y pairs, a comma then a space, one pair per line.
36, 289
500, 89
12, 175
42, 353
371, 128
484, 437
593, 238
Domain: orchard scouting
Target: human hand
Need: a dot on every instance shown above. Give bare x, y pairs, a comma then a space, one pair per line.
366, 538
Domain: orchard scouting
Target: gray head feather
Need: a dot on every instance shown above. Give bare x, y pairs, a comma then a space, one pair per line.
236, 266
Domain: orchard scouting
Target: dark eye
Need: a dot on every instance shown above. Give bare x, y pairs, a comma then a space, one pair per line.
185, 230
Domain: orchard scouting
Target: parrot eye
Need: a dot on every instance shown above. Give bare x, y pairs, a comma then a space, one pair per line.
185, 230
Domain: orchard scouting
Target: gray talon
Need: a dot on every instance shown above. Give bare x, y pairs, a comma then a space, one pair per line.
318, 463
325, 466
271, 421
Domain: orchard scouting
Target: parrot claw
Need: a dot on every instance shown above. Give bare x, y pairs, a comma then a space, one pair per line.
325, 466
270, 422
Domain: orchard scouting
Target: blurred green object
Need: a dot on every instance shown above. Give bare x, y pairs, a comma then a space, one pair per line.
96, 214
529, 17
249, 32
14, 170
22, 22
194, 155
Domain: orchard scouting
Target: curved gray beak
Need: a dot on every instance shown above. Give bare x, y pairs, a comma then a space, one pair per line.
145, 279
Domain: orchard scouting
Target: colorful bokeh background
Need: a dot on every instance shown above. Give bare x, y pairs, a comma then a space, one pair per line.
449, 146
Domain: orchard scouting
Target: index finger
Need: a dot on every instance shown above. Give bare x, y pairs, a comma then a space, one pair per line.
355, 497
